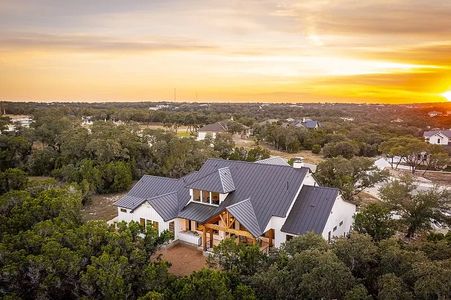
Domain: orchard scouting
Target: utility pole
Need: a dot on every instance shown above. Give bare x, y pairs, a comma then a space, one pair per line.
175, 94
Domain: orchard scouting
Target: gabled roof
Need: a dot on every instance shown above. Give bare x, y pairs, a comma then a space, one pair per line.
245, 214
165, 205
149, 187
270, 188
430, 133
311, 210
215, 127
275, 160
310, 124
256, 192
219, 181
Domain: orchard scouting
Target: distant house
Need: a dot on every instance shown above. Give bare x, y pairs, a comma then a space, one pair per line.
86, 120
438, 137
211, 130
434, 113
159, 106
219, 127
265, 203
18, 120
306, 123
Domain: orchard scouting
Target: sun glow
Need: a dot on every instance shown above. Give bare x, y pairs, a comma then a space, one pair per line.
447, 95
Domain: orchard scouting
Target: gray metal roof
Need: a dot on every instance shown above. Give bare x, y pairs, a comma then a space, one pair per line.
197, 212
245, 214
430, 133
275, 160
166, 205
311, 210
270, 188
219, 180
129, 202
215, 127
267, 190
152, 186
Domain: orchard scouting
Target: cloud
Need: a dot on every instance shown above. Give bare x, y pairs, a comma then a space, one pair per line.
97, 43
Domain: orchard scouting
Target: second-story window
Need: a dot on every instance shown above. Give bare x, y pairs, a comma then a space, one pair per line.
196, 195
205, 197
214, 198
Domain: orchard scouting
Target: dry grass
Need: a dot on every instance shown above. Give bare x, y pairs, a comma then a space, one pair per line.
308, 156
101, 207
439, 178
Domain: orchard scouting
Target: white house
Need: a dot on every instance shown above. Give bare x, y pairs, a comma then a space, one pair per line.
18, 120
438, 137
211, 130
265, 202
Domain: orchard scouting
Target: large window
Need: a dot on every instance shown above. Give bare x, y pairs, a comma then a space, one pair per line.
215, 198
205, 197
196, 195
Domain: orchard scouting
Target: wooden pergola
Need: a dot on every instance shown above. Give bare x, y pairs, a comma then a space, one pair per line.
227, 224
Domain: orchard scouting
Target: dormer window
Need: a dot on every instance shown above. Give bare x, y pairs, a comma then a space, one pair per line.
196, 195
214, 198
206, 197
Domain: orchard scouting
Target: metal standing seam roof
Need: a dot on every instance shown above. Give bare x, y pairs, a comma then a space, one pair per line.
166, 205
275, 160
245, 214
270, 188
197, 212
311, 210
430, 133
219, 180
266, 190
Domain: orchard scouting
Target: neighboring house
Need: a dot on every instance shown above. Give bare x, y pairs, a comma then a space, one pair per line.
158, 107
18, 120
438, 137
212, 130
434, 113
86, 120
306, 123
219, 127
259, 202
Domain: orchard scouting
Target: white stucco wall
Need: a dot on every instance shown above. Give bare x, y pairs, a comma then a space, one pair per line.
439, 139
342, 211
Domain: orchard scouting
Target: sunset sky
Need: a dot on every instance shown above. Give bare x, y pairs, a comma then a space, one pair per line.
390, 51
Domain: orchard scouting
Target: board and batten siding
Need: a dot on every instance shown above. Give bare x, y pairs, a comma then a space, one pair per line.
437, 139
144, 211
342, 211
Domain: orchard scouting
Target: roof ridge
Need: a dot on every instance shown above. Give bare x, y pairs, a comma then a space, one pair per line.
234, 204
253, 163
206, 175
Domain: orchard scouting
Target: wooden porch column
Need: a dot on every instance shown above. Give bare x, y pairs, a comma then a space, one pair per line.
204, 238
211, 238
271, 236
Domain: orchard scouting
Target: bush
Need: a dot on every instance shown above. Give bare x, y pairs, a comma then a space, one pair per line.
316, 149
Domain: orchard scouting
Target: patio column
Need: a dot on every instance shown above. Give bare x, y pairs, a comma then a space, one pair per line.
211, 238
204, 238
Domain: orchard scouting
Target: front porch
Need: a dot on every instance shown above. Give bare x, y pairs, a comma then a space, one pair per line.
224, 225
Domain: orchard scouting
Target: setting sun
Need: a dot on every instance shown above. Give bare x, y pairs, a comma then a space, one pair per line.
447, 95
